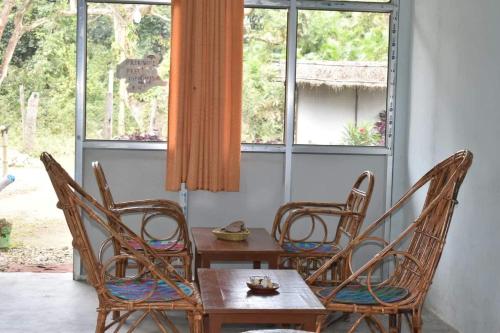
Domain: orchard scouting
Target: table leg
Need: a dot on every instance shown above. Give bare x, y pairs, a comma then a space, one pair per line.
310, 323
214, 324
196, 264
274, 262
204, 262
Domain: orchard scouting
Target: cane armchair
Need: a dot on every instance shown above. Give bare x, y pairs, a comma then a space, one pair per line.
306, 254
409, 261
174, 245
151, 292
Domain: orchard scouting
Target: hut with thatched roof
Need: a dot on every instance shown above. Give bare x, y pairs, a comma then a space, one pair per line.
333, 94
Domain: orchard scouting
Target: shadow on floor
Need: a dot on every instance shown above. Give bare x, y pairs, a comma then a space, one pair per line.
53, 302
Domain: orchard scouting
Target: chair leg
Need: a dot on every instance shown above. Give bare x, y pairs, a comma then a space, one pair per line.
416, 322
195, 320
101, 321
121, 270
394, 323
187, 268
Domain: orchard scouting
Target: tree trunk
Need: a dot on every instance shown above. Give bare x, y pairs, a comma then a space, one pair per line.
29, 126
72, 6
4, 15
121, 109
120, 30
137, 109
5, 146
108, 117
153, 130
22, 105
11, 47
17, 33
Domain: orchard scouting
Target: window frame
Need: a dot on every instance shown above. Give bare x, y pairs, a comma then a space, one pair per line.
288, 146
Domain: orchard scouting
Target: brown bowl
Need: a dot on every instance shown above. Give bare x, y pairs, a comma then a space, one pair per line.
231, 236
259, 289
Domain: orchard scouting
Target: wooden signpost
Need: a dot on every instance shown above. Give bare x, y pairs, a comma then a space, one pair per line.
140, 74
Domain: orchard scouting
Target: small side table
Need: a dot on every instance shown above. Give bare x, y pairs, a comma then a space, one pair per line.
226, 299
258, 247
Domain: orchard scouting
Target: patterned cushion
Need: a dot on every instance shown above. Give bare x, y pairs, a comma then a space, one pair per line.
311, 247
137, 289
361, 295
159, 245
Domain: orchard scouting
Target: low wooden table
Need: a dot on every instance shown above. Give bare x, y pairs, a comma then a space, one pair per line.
227, 299
258, 247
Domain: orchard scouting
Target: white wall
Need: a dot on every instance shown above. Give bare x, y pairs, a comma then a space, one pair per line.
136, 174
454, 104
323, 113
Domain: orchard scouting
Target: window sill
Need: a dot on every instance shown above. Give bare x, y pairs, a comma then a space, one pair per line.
245, 148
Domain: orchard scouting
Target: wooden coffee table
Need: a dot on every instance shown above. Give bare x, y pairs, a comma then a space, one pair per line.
258, 247
226, 299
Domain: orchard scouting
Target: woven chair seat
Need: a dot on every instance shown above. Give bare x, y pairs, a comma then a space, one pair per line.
163, 245
361, 295
312, 247
137, 289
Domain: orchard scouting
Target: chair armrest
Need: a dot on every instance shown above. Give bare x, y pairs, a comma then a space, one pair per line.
155, 209
315, 214
150, 262
286, 208
149, 202
346, 255
368, 268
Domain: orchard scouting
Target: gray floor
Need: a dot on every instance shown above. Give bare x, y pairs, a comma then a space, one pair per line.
53, 302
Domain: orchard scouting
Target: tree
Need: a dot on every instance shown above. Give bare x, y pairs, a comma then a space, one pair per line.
119, 32
23, 22
263, 69
43, 62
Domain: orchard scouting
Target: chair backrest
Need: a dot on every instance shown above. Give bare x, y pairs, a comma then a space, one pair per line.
417, 250
78, 205
429, 230
357, 201
173, 211
102, 183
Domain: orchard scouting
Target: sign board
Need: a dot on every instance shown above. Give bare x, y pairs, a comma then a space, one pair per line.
140, 74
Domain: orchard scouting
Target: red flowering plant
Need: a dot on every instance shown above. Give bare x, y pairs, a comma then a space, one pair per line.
364, 134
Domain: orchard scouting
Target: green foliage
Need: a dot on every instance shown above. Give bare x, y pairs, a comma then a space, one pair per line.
263, 81
149, 36
364, 134
44, 62
342, 36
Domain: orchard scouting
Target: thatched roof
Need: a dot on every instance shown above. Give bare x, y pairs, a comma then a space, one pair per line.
342, 74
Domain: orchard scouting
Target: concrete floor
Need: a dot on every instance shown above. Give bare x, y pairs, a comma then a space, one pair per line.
53, 302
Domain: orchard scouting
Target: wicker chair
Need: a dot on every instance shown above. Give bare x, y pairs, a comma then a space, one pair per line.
409, 261
151, 292
307, 254
175, 247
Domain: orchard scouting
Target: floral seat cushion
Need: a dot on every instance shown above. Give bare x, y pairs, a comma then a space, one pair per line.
164, 245
133, 290
311, 247
356, 294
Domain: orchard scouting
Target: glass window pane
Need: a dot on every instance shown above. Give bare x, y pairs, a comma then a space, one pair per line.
384, 1
128, 55
263, 84
342, 60
369, 0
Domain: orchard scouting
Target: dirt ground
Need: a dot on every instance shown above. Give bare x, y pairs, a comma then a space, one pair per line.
40, 239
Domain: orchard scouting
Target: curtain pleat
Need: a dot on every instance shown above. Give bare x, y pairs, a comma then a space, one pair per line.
204, 116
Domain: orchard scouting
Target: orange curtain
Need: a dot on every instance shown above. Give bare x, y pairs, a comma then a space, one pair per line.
204, 115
